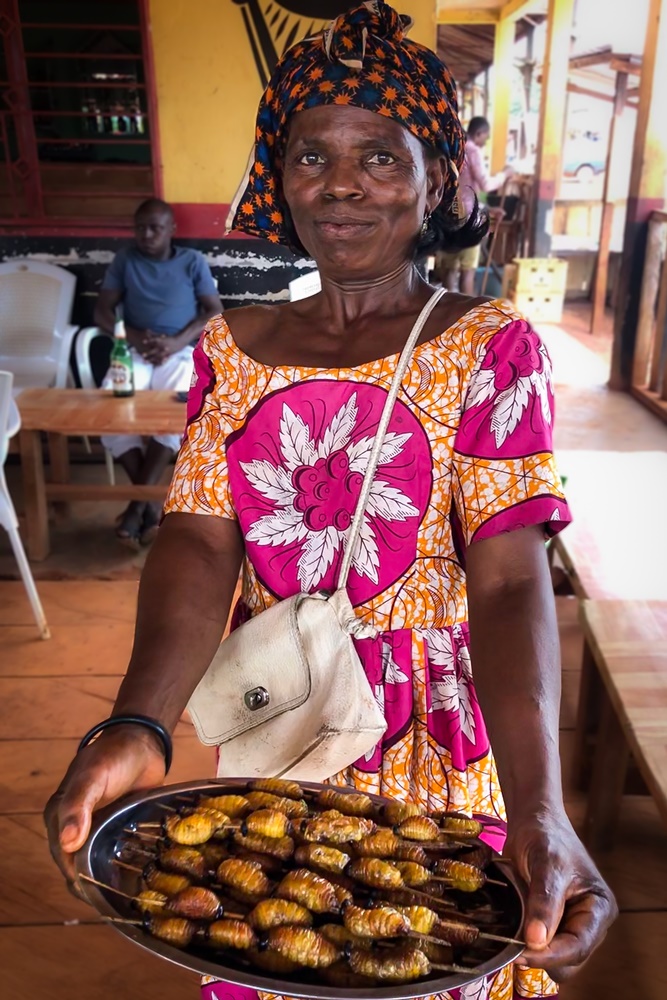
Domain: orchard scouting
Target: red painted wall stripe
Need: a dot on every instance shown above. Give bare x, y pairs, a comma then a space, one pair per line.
193, 222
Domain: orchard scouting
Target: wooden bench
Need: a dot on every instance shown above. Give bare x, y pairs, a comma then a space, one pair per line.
627, 644
615, 550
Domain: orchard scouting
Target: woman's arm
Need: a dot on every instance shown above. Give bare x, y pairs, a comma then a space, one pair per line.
516, 665
186, 591
516, 658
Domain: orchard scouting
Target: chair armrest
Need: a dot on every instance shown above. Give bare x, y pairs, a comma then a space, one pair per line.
84, 339
63, 369
13, 419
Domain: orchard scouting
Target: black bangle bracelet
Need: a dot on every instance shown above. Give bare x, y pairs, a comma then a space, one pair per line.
134, 720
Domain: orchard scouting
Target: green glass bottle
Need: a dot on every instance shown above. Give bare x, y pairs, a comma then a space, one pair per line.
122, 368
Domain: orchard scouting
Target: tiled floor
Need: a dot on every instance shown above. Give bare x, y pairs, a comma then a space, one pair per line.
50, 944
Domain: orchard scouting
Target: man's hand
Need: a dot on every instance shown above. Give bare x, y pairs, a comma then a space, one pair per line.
151, 346
569, 907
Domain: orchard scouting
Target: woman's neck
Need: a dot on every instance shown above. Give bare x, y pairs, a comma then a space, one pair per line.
349, 301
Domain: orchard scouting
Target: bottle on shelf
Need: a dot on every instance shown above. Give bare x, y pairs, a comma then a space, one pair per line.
122, 367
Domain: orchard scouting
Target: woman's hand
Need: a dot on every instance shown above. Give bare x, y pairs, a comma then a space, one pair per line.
569, 906
123, 759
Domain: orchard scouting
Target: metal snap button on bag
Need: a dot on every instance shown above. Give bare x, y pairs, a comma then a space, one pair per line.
257, 698
286, 693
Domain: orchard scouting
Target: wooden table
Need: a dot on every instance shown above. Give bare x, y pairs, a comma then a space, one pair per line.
63, 413
628, 644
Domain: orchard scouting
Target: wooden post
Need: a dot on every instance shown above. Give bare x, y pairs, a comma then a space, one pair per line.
503, 62
611, 195
647, 191
552, 122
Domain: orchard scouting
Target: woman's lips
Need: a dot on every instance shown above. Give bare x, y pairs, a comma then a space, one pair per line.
344, 228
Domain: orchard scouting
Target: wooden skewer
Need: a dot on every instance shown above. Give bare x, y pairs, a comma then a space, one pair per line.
129, 868
441, 845
450, 968
452, 882
110, 888
504, 940
143, 836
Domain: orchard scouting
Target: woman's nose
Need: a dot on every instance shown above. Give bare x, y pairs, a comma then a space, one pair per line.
343, 180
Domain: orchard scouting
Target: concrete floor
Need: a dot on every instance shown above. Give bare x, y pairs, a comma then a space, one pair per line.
50, 944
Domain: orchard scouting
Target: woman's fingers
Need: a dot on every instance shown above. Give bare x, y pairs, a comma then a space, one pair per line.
583, 928
125, 759
548, 886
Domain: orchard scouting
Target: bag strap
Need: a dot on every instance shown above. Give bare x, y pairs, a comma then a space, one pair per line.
369, 476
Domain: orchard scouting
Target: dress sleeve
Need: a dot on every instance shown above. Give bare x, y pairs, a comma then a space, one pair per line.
504, 473
200, 484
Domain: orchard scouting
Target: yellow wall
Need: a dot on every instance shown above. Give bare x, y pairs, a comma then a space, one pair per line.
208, 89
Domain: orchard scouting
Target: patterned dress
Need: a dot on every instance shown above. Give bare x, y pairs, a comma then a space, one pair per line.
468, 455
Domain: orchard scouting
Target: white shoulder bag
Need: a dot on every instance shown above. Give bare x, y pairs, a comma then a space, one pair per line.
286, 693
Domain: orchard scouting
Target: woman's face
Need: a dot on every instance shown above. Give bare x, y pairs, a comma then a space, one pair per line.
358, 186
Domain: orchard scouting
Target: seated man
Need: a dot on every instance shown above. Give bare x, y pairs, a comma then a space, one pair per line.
168, 294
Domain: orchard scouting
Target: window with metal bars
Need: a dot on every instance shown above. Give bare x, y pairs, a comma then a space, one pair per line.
77, 119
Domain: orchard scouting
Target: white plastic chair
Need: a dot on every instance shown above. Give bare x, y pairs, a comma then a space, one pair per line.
82, 345
35, 330
10, 421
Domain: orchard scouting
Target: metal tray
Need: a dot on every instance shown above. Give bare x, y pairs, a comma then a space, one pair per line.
107, 840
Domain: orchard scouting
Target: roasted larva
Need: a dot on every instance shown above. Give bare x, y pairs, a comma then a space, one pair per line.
303, 946
309, 890
395, 965
276, 912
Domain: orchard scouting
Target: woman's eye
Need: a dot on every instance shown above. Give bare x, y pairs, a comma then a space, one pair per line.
383, 159
311, 159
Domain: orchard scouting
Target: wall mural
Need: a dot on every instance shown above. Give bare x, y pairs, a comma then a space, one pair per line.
273, 27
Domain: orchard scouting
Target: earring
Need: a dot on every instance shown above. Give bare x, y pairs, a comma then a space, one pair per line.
425, 224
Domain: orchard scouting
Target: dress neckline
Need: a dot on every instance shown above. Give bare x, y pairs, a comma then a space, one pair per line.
346, 368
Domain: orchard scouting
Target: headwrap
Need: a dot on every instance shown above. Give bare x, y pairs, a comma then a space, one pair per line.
363, 59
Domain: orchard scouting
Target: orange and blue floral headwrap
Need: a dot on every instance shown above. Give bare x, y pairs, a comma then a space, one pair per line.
363, 59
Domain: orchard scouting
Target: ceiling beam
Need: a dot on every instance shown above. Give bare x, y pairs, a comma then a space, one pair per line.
591, 58
514, 10
574, 88
460, 15
621, 65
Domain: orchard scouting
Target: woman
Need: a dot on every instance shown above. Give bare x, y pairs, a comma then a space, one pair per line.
358, 150
474, 179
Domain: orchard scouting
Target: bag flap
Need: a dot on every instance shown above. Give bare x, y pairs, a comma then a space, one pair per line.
259, 672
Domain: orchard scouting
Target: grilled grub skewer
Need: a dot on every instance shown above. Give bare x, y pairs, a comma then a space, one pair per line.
276, 912
281, 787
336, 829
303, 946
192, 903
348, 803
293, 808
397, 965
309, 890
235, 934
462, 876
164, 882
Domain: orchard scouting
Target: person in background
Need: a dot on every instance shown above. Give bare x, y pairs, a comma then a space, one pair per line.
167, 295
474, 179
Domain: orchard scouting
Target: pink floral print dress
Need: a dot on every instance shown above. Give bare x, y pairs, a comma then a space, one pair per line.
468, 455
